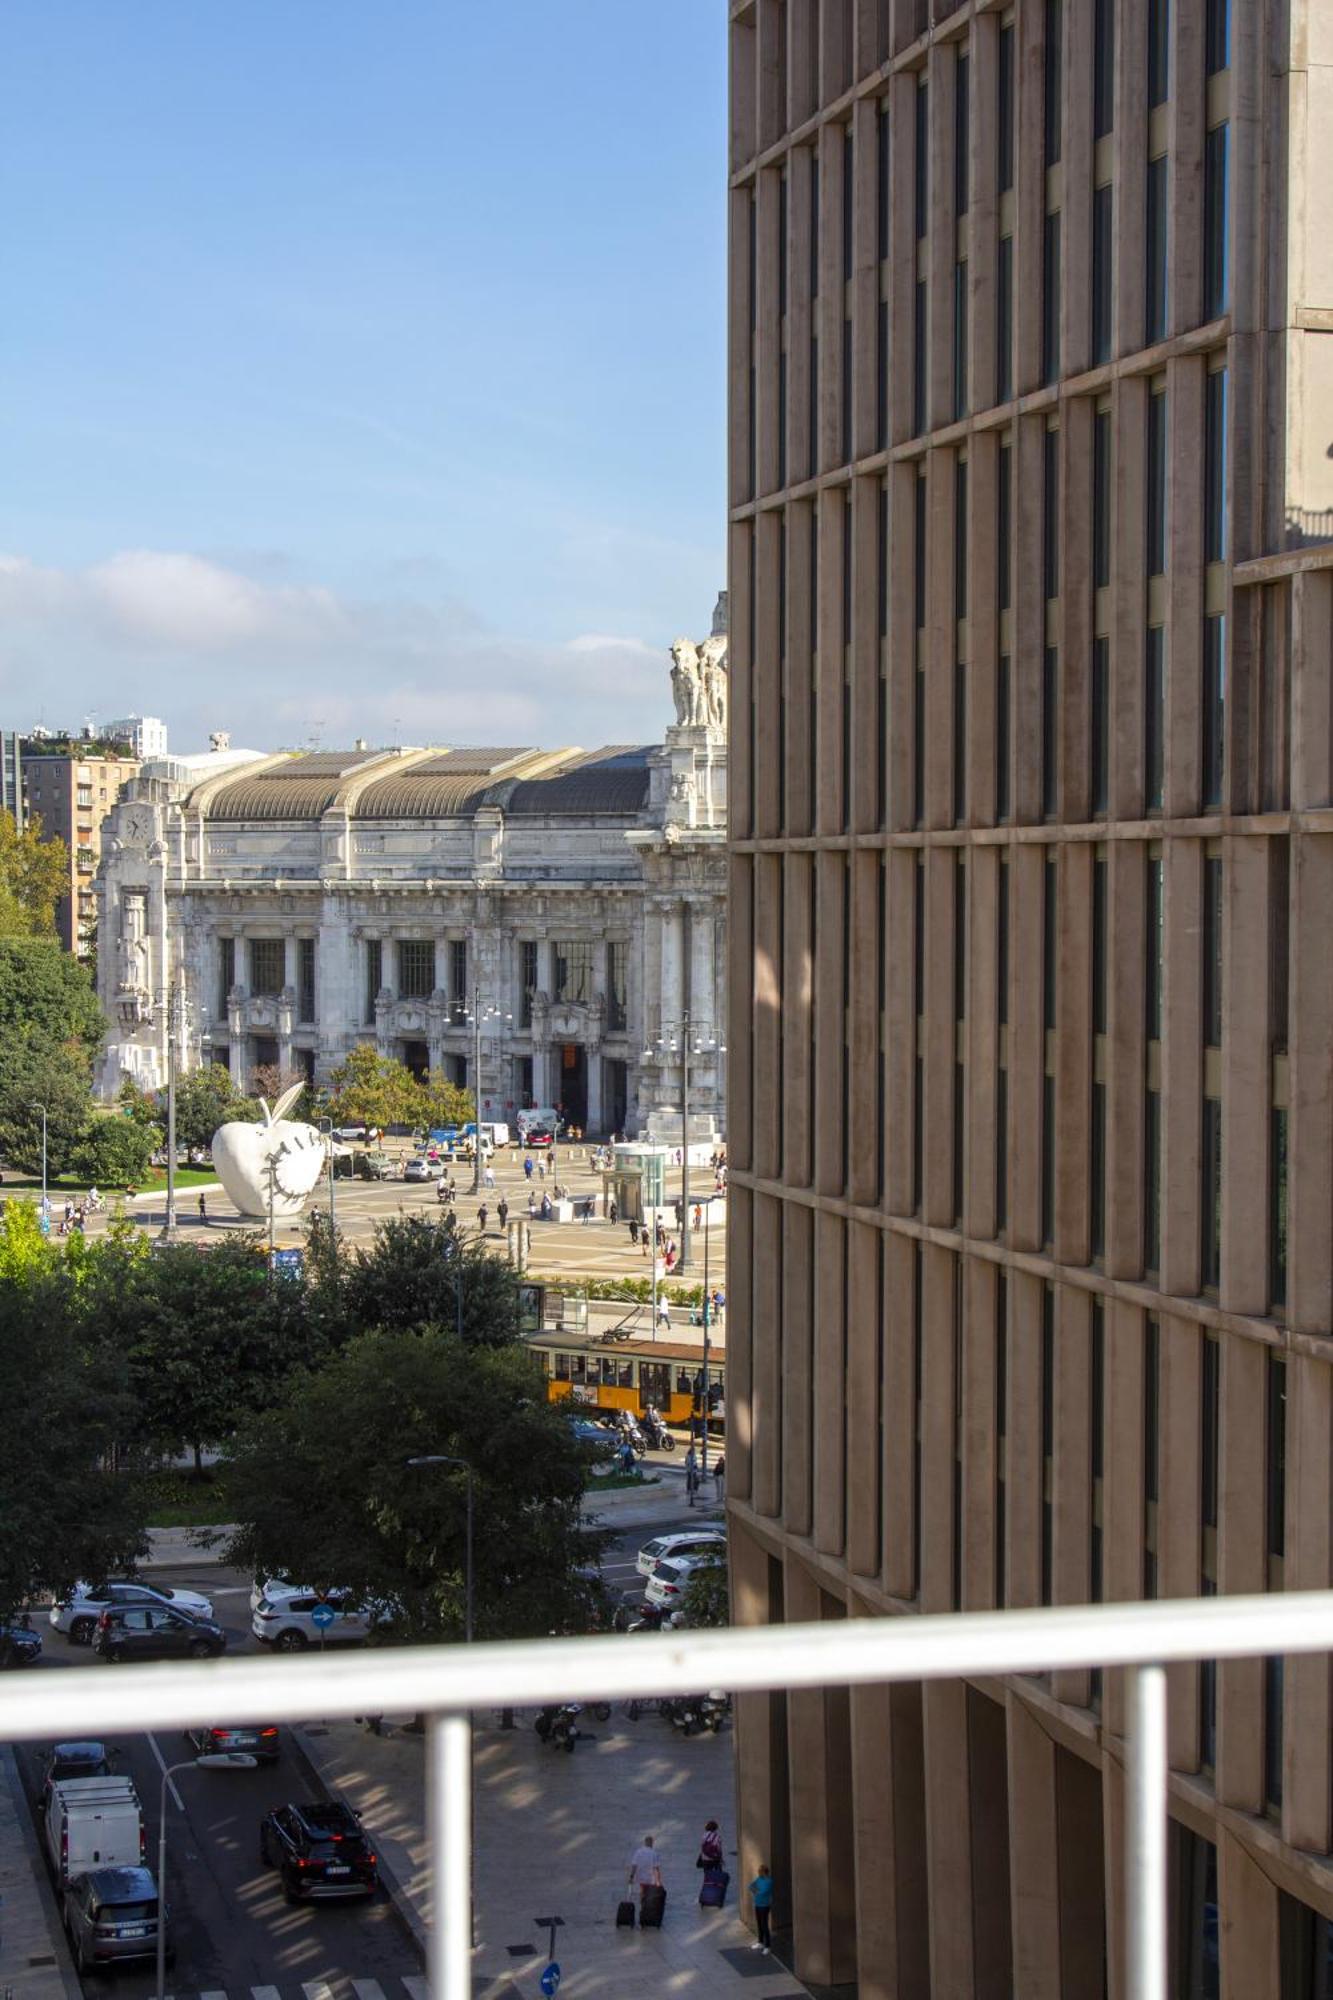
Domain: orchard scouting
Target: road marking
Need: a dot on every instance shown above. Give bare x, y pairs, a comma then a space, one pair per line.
215, 1994
171, 1787
314, 1989
265, 1993
416, 1986
367, 1989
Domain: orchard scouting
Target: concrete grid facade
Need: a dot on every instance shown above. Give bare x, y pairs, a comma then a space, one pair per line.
1031, 1135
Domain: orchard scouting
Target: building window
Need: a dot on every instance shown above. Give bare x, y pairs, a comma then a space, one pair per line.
813, 414
1155, 247
1277, 1196
961, 132
1005, 122
882, 306
1212, 952
1152, 1010
919, 673
1101, 726
1101, 499
1004, 320
1050, 514
617, 986
1002, 705
848, 184
1102, 255
573, 970
921, 179
920, 323
1047, 1442
1210, 1205
1216, 220
1050, 731
1156, 477
1159, 50
960, 338
1001, 1424
374, 974
1154, 722
1051, 82
226, 974
305, 962
1217, 36
458, 980
1152, 1180
527, 980
1103, 68
1151, 1448
1050, 299
1050, 919
1214, 708
416, 968
1215, 468
268, 966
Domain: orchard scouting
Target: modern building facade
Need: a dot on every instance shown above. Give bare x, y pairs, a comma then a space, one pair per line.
572, 902
144, 735
71, 794
1031, 1136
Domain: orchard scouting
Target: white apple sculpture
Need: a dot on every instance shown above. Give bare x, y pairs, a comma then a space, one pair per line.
270, 1169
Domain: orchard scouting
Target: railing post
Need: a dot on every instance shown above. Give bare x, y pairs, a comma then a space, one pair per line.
449, 1812
1145, 1834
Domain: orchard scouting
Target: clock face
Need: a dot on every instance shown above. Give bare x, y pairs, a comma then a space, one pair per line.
137, 825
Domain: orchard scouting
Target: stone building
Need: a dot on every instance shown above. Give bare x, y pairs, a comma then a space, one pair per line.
569, 903
1030, 1248
71, 792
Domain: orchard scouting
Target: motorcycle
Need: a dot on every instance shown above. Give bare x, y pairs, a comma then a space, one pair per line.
557, 1727
714, 1709
655, 1431
684, 1712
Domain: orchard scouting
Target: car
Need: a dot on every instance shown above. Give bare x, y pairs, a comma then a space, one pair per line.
420, 1169
77, 1617
20, 1646
259, 1740
374, 1167
319, 1850
73, 1760
539, 1140
273, 1587
349, 1134
690, 1542
156, 1632
112, 1914
287, 1621
667, 1584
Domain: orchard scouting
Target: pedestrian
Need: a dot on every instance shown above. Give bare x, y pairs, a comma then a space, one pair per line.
698, 1216
664, 1314
488, 1178
502, 1211
612, 1212
691, 1474
643, 1243
482, 1214
203, 1210
532, 1203
645, 1869
710, 1847
627, 1457
761, 1893
541, 1170
719, 1303
720, 1475
527, 1169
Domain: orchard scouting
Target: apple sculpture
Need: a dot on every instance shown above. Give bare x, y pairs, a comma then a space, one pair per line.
269, 1169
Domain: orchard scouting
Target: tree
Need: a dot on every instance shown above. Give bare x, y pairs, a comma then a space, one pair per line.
371, 1089
444, 1103
270, 1080
205, 1099
34, 874
394, 1533
31, 1076
115, 1152
414, 1273
46, 996
706, 1599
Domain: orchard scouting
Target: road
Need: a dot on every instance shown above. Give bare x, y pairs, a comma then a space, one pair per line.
236, 1937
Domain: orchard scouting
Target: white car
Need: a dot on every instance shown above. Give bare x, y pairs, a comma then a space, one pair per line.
287, 1621
423, 1170
77, 1617
691, 1542
666, 1585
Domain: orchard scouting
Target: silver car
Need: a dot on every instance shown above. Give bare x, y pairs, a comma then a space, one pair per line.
78, 1617
111, 1914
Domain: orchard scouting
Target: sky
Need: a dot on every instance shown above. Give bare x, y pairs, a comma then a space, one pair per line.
361, 366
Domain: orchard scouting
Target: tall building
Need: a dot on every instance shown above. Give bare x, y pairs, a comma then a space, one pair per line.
144, 735
71, 794
1031, 1135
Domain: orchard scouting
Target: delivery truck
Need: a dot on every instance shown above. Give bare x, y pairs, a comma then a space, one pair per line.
93, 1823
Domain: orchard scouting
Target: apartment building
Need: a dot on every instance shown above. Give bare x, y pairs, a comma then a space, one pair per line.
1031, 1132
72, 794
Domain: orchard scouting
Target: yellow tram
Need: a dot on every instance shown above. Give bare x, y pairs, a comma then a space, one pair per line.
613, 1374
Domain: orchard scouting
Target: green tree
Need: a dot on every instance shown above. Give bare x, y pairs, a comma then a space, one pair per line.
34, 874
205, 1099
706, 1600
444, 1103
115, 1152
33, 1075
395, 1532
46, 996
371, 1089
415, 1273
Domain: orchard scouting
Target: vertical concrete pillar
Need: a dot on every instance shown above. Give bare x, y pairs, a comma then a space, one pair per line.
1178, 1516
949, 1857
1249, 1937
1034, 1855
823, 1874
829, 1388
892, 1933
1241, 1567
1306, 1566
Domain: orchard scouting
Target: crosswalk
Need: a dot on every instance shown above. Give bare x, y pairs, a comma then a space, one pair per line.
409, 1986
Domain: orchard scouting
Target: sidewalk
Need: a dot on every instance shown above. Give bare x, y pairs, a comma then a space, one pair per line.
34, 1964
552, 1837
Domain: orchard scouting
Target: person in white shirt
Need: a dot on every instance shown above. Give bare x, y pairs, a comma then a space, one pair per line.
645, 1869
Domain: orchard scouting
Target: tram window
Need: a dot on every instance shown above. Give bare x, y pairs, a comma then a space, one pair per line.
684, 1382
578, 1368
562, 1368
626, 1373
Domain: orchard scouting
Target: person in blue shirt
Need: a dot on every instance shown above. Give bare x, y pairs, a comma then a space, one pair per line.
761, 1893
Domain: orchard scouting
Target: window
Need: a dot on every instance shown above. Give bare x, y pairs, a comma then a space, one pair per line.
961, 132
960, 338
1049, 980
1151, 1450
1050, 731
1050, 514
1004, 524
1051, 81
1215, 468
1050, 299
1155, 245
1103, 251
1100, 722
1154, 723
1277, 1198
374, 974
1212, 952
813, 418
226, 974
919, 677
1103, 67
268, 966
1152, 1179
1217, 36
921, 192
1156, 477
1101, 499
1159, 46
1216, 220
1002, 704
1001, 1423
573, 969
882, 307
1152, 999
305, 950
1005, 122
848, 210
416, 968
527, 980
617, 986
1004, 320
920, 323
1047, 1440
458, 980
1210, 1207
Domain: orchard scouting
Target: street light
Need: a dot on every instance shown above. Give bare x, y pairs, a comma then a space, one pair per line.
490, 1013
45, 1203
221, 1760
689, 1039
333, 1233
442, 1458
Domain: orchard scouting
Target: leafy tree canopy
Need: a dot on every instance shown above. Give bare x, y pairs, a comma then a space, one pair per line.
46, 996
33, 1075
371, 1089
444, 1103
322, 1490
205, 1099
115, 1152
34, 874
413, 1274
706, 1600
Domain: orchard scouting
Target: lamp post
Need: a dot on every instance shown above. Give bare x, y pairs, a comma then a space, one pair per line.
45, 1203
490, 1013
222, 1760
690, 1039
443, 1458
175, 1028
326, 1125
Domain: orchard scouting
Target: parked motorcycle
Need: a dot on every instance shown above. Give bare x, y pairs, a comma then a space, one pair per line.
557, 1726
684, 1712
714, 1709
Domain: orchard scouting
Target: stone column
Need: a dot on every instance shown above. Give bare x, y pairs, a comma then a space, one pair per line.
595, 1088
673, 965
286, 1002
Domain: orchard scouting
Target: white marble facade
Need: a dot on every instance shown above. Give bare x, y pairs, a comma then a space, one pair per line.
307, 903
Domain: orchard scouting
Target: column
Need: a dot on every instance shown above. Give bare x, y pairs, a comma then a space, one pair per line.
286, 1001
673, 966
595, 1090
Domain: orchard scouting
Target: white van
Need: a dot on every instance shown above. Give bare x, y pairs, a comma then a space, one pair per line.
541, 1117
93, 1823
494, 1135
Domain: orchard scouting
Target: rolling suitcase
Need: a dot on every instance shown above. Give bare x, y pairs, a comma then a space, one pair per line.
625, 1915
713, 1893
651, 1905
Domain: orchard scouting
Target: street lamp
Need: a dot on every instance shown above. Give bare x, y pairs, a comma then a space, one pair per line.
689, 1039
222, 1760
45, 1203
442, 1458
326, 1126
489, 1013
176, 1009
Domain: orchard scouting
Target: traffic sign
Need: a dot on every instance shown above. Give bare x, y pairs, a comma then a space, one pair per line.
323, 1615
550, 1979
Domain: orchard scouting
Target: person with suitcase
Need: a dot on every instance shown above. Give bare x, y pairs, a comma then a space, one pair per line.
713, 1888
645, 1873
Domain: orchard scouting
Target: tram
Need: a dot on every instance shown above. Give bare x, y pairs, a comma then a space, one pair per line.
615, 1374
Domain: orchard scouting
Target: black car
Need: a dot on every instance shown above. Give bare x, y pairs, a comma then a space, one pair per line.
259, 1740
152, 1632
20, 1646
319, 1850
73, 1760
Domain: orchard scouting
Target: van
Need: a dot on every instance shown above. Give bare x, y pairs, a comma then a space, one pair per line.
498, 1135
93, 1823
543, 1117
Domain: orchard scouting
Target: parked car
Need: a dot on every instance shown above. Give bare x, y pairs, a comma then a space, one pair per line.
112, 1914
20, 1646
93, 1823
273, 1587
259, 1740
287, 1621
666, 1586
349, 1134
710, 1542
73, 1760
423, 1169
374, 1166
539, 1140
77, 1618
156, 1632
319, 1850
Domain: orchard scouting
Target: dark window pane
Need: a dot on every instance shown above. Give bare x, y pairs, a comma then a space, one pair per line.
1050, 299
962, 78
1097, 1172
1155, 242
919, 358
1277, 1220
1101, 724
1218, 36
1216, 221
1214, 708
1152, 1181
1002, 700
1051, 81
1156, 478
1212, 952
1004, 524
1101, 499
922, 161
1215, 468
960, 538
416, 968
1050, 725
1102, 252
1099, 947
848, 205
1050, 514
883, 159
1159, 46
1103, 67
1154, 720
268, 963
960, 339
1210, 1206
1005, 122
1004, 320
1152, 1002
1049, 915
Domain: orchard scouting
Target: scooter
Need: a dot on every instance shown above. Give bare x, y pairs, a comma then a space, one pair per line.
557, 1727
684, 1712
714, 1709
656, 1432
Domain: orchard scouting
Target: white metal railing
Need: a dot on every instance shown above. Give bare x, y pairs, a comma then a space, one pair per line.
448, 1682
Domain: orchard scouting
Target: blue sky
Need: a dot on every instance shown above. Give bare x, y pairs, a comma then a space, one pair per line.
361, 366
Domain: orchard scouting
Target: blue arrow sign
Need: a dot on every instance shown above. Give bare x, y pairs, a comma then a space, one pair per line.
550, 1979
323, 1615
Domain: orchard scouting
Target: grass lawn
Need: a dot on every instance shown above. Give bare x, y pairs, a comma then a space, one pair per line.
154, 1182
179, 1500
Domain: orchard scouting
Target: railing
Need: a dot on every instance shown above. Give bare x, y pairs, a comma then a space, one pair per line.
447, 1682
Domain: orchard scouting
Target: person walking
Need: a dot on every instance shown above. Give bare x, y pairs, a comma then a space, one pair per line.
691, 1474
488, 1178
612, 1212
645, 1872
720, 1476
203, 1211
527, 1169
710, 1847
761, 1894
502, 1211
482, 1216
